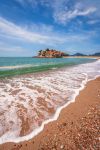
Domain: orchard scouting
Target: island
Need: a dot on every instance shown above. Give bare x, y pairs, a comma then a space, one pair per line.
51, 53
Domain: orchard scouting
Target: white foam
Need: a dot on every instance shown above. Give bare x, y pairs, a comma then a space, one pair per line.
17, 66
58, 89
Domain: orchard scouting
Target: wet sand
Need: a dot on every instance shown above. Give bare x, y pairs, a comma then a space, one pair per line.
76, 128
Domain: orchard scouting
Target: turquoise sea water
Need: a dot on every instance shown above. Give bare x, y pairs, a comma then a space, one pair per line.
15, 61
10, 66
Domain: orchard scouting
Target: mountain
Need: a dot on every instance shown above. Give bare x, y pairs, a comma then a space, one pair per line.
79, 54
95, 54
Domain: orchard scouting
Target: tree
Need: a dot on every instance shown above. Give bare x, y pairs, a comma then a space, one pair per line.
47, 49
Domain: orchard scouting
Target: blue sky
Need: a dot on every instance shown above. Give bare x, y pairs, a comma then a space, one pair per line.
27, 26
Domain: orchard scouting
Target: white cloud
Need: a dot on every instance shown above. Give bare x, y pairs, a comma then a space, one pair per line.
40, 28
24, 3
92, 22
67, 15
11, 49
31, 35
9, 29
64, 11
4, 47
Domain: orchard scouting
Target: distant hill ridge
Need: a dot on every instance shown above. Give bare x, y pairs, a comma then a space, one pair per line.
80, 54
95, 54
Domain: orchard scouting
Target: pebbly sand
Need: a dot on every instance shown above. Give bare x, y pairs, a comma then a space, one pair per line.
77, 127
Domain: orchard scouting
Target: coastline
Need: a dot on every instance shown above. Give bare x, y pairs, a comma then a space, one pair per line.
54, 133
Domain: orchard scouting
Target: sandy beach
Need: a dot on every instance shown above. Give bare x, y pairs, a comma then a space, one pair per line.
76, 128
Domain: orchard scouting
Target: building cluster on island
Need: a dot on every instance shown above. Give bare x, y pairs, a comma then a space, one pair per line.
51, 53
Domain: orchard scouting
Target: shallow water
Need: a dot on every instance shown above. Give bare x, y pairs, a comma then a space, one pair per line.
28, 102
23, 65
11, 62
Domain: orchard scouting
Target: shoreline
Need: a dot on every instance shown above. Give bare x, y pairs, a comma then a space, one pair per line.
50, 128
